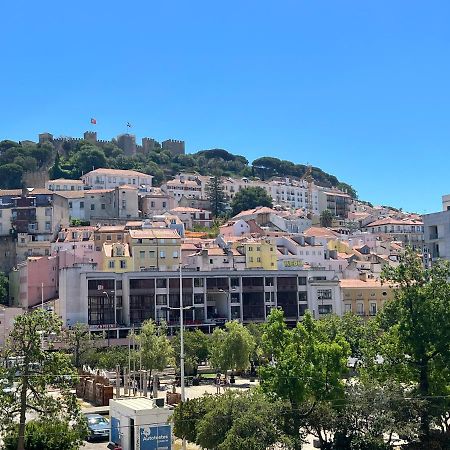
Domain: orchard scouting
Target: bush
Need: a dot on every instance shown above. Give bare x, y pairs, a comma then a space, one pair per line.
46, 435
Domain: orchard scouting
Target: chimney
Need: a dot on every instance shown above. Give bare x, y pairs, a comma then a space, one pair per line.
363, 276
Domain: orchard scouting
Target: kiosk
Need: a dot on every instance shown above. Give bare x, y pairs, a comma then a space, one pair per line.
139, 424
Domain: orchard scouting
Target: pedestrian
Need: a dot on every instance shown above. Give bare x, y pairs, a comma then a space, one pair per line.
217, 383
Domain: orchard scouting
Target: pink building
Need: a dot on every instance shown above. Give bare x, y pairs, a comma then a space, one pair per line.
75, 245
34, 278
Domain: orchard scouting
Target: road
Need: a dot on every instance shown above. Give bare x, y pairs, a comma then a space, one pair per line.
94, 445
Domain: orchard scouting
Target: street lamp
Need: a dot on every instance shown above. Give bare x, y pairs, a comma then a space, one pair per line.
181, 309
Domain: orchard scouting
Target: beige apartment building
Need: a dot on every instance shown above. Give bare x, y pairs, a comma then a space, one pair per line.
364, 297
155, 249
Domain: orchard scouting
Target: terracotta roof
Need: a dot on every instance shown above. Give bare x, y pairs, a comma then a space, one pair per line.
178, 182
128, 186
70, 194
31, 192
65, 180
185, 209
109, 228
152, 233
392, 221
120, 172
321, 232
98, 191
357, 283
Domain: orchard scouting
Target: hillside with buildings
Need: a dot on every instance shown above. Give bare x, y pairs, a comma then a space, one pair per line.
68, 157
103, 230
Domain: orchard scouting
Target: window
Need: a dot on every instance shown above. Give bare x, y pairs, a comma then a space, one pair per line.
81, 205
48, 226
175, 254
92, 207
258, 259
141, 254
103, 206
302, 309
108, 237
303, 296
123, 264
325, 309
373, 309
70, 205
302, 281
347, 307
163, 204
324, 294
111, 264
162, 254
48, 211
151, 253
152, 204
198, 282
360, 309
161, 283
161, 299
250, 259
250, 249
258, 249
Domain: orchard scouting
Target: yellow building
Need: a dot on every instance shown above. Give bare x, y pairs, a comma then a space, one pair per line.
108, 235
339, 246
117, 258
260, 254
157, 248
364, 297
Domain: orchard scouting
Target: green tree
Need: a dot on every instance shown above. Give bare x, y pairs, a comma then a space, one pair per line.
415, 335
107, 358
35, 370
89, 157
79, 342
348, 189
195, 349
216, 196
250, 198
11, 176
307, 368
47, 435
232, 347
56, 171
326, 218
155, 350
4, 289
232, 421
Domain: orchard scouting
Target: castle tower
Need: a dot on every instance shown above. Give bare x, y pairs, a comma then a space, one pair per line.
127, 142
90, 136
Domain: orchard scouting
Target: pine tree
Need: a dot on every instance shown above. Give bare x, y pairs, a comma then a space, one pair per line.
216, 196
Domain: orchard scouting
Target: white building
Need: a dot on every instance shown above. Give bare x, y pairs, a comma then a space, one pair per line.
75, 203
112, 178
63, 184
185, 185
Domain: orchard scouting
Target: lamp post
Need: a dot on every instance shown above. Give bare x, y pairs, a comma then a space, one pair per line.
181, 309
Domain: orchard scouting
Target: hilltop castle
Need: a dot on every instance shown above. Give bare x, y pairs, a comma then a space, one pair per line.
127, 142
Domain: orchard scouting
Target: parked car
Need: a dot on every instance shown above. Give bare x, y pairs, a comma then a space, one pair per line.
98, 427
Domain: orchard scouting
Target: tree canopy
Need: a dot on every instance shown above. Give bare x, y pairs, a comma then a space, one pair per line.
250, 198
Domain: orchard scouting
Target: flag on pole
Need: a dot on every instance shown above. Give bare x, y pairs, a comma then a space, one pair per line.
128, 124
93, 121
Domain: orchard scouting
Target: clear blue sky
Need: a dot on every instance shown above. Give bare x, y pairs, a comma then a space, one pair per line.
358, 88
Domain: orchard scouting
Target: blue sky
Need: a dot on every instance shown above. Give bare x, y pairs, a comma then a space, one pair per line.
358, 88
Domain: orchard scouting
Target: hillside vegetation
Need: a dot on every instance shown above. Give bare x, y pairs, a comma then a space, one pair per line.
80, 157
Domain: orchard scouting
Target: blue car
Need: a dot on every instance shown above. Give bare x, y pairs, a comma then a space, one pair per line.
98, 427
